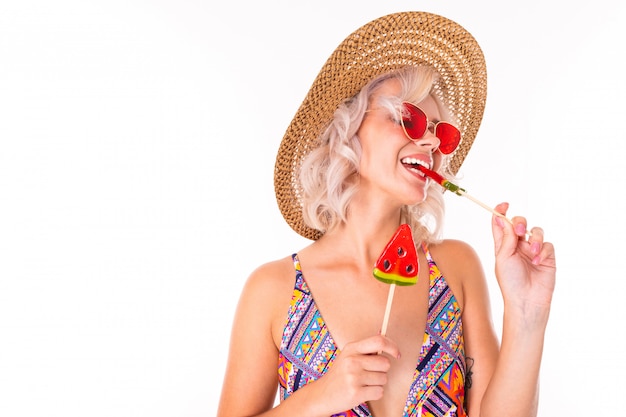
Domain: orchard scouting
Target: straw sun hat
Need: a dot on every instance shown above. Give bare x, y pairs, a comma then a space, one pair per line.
382, 45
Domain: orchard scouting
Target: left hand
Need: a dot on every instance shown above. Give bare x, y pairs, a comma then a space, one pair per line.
525, 267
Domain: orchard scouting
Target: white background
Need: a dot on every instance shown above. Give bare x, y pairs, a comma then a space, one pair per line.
137, 143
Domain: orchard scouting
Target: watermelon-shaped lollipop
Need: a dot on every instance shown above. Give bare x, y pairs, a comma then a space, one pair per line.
398, 262
397, 265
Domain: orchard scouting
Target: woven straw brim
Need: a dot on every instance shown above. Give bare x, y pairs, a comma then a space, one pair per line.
385, 44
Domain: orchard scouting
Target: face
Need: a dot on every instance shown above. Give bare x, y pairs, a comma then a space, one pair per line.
387, 166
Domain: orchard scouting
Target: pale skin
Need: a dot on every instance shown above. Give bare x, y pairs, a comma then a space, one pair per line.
376, 369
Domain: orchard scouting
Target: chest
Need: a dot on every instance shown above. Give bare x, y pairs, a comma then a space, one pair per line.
323, 319
353, 306
358, 313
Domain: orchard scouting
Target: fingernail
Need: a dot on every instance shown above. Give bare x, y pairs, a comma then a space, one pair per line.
520, 229
534, 248
536, 260
499, 222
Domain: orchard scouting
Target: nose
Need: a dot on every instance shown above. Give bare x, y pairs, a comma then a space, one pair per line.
429, 140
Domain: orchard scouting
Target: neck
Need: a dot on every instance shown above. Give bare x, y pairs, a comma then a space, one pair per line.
368, 229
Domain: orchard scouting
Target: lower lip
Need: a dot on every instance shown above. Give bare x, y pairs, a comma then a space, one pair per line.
415, 172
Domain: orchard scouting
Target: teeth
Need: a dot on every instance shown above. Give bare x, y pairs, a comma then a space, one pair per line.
415, 161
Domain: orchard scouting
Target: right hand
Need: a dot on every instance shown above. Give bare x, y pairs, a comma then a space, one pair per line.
358, 374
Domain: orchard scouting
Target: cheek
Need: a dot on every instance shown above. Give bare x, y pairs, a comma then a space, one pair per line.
365, 161
379, 146
371, 160
437, 160
365, 148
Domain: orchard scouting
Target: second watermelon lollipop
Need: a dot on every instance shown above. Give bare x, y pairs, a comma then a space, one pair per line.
397, 265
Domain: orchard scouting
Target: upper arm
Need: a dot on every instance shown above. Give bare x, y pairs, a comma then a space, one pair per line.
251, 377
463, 270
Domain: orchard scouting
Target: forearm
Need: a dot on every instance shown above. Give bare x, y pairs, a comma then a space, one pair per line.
514, 387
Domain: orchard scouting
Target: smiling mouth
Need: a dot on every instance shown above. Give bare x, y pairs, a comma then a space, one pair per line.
412, 165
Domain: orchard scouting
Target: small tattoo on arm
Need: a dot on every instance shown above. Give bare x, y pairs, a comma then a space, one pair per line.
469, 363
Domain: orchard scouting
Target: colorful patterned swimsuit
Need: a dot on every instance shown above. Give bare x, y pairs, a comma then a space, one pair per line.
307, 351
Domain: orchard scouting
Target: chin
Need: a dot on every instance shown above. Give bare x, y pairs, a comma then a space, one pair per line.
415, 198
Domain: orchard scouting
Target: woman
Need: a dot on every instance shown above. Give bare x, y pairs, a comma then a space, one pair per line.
347, 177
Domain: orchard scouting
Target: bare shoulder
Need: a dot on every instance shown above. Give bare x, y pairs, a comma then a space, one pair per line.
271, 282
255, 339
453, 251
460, 265
268, 291
272, 275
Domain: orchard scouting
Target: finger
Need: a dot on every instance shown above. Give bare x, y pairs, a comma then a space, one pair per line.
504, 238
496, 224
519, 225
536, 240
502, 208
372, 378
375, 363
377, 344
373, 392
546, 256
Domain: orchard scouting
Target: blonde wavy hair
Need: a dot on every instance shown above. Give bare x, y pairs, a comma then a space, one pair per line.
329, 173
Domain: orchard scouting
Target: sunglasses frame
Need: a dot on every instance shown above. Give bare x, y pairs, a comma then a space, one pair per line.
446, 146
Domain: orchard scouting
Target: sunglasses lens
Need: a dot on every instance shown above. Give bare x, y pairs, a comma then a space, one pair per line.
414, 121
449, 136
